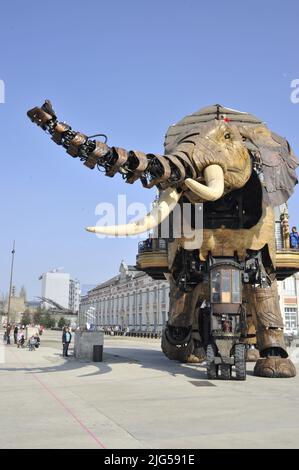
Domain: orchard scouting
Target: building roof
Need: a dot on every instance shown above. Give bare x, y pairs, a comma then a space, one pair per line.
126, 272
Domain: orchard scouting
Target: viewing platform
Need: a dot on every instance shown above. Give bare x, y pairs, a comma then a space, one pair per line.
152, 257
287, 262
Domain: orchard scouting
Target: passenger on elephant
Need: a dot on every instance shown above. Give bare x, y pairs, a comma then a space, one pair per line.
294, 238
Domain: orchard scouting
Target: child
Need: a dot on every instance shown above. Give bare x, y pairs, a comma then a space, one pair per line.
21, 339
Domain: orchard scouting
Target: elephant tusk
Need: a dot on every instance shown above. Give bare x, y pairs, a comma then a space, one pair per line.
214, 188
164, 206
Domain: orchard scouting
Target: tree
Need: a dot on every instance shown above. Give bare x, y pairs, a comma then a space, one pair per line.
61, 322
37, 318
26, 318
38, 314
47, 320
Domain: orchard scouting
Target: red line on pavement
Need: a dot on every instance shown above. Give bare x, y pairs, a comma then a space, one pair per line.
61, 402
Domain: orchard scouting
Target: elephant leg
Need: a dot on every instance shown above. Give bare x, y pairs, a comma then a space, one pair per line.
274, 361
198, 354
252, 353
181, 339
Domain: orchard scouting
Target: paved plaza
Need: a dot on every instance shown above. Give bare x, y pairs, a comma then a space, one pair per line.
137, 398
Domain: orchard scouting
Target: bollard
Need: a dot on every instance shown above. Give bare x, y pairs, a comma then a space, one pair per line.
97, 353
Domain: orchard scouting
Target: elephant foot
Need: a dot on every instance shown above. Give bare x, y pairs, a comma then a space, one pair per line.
252, 355
274, 367
174, 350
197, 356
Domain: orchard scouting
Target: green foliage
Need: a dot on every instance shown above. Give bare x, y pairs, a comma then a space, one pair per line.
26, 318
38, 315
62, 322
47, 320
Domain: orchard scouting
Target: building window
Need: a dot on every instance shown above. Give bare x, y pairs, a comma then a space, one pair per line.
289, 286
290, 315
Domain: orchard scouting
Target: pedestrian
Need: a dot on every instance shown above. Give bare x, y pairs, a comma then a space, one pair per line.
8, 330
21, 339
66, 339
15, 334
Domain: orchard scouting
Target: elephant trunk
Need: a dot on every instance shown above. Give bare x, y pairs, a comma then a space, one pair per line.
192, 158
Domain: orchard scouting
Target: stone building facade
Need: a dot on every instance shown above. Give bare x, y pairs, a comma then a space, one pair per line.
133, 299
130, 299
288, 291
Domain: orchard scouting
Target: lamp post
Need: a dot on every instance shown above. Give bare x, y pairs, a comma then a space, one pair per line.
10, 284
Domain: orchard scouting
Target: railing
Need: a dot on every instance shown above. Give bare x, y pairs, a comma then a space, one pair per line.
152, 244
134, 333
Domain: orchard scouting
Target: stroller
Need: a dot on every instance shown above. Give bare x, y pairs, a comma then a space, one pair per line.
32, 343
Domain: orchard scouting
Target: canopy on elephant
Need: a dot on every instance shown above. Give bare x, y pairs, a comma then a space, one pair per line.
277, 158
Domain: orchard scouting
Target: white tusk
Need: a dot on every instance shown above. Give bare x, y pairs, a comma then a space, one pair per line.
164, 206
214, 188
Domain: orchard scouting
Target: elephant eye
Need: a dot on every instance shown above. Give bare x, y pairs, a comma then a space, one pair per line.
227, 135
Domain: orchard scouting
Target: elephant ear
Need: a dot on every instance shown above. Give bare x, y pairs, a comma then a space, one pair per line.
279, 164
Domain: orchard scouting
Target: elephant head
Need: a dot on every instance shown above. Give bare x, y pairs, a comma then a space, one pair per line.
207, 155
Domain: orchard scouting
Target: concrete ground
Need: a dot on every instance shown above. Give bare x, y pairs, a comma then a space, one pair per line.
137, 398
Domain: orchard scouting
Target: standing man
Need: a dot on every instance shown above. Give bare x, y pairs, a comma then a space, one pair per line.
294, 238
15, 334
8, 330
66, 339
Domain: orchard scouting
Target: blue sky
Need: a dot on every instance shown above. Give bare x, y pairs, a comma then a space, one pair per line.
128, 69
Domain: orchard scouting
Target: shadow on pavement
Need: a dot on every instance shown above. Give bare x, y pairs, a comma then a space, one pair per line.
145, 358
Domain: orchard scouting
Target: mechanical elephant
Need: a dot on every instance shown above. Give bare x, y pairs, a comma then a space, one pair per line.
239, 171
